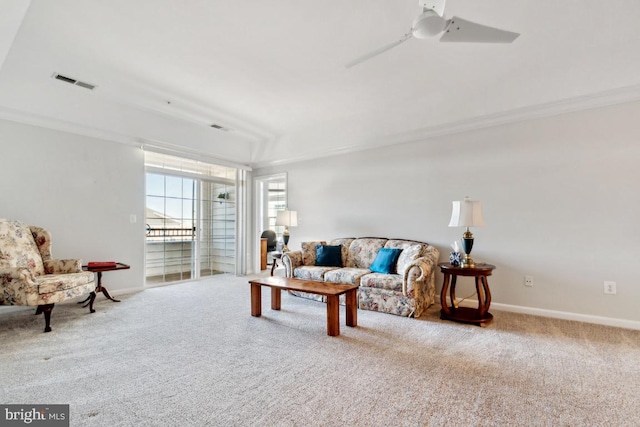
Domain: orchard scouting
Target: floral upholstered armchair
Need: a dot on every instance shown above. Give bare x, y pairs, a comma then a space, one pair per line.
28, 275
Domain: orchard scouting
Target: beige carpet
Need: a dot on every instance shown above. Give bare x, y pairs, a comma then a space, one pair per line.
192, 355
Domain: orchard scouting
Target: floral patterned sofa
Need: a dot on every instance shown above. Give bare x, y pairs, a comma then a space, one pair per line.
407, 291
28, 275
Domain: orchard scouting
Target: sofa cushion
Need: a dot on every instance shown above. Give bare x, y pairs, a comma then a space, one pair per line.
346, 275
363, 252
386, 301
402, 244
309, 252
392, 282
311, 272
407, 256
385, 261
346, 243
17, 247
329, 255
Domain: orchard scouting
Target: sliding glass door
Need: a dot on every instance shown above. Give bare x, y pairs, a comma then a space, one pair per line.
191, 216
218, 228
171, 228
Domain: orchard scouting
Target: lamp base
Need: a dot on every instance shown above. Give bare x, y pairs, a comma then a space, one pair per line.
285, 239
467, 245
467, 262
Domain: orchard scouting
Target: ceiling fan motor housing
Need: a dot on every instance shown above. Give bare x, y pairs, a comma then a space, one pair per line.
428, 24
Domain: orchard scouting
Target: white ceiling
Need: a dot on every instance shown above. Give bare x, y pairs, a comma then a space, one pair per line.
273, 71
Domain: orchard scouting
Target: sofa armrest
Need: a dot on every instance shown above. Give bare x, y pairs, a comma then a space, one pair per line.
8, 274
291, 260
418, 271
62, 266
419, 280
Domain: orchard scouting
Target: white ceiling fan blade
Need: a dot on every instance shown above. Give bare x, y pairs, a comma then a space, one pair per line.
436, 5
379, 51
461, 30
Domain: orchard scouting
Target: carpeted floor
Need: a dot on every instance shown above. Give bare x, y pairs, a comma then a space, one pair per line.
192, 355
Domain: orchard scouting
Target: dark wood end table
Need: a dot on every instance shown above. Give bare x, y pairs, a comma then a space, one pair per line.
479, 316
99, 287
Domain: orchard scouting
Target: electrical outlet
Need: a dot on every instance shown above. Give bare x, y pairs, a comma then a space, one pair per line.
528, 281
609, 287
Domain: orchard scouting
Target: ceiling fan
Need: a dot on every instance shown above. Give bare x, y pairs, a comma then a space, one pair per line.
432, 22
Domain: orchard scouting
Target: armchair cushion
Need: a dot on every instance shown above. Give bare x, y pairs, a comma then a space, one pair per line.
58, 266
18, 248
48, 283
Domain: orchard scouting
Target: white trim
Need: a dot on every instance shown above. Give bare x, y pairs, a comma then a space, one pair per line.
565, 315
177, 151
118, 292
64, 126
601, 99
598, 100
162, 171
92, 132
555, 314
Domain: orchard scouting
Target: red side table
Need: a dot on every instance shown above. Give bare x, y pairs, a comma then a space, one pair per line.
99, 287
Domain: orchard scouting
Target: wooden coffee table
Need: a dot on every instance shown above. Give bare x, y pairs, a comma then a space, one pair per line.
331, 290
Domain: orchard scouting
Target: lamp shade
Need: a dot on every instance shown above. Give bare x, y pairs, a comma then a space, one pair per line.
287, 218
466, 213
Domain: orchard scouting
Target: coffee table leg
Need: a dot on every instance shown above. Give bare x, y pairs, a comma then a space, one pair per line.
275, 298
352, 308
333, 316
256, 300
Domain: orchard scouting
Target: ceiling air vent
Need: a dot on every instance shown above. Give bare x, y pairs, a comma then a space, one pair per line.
215, 126
73, 81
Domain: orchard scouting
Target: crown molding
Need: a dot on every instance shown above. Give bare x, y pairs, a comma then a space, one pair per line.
65, 126
597, 100
92, 132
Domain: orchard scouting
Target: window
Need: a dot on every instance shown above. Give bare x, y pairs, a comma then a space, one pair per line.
270, 197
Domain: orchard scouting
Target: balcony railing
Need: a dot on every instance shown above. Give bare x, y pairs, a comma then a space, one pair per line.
170, 233
169, 254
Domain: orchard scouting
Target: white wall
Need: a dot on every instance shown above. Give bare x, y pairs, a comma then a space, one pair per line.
560, 199
83, 190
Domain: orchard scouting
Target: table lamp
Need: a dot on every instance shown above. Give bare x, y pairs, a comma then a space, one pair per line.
288, 219
467, 213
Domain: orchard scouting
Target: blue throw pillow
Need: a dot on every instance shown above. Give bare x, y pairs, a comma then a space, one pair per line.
386, 261
329, 256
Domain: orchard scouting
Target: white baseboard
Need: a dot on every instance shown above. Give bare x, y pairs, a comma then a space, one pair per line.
124, 291
565, 315
12, 308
